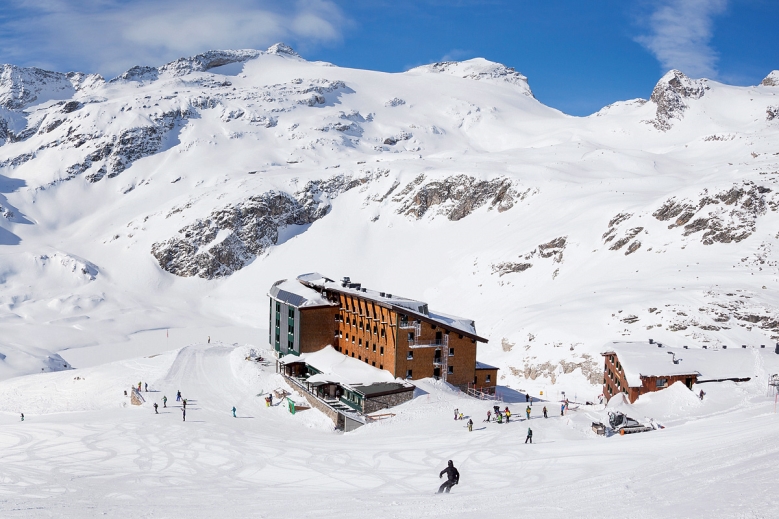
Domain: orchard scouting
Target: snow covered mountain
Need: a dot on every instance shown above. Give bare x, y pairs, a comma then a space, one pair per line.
173, 196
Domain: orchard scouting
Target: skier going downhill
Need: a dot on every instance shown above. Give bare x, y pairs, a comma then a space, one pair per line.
452, 478
164, 401
234, 409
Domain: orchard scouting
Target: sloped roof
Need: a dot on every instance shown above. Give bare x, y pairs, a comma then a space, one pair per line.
297, 294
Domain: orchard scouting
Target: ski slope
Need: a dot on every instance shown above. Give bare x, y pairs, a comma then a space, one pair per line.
84, 452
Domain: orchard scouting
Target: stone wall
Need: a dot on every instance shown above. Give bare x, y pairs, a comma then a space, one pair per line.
379, 403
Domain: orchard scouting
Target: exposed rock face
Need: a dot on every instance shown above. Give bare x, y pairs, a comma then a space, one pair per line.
670, 94
480, 69
771, 79
22, 87
551, 250
592, 370
209, 60
232, 237
723, 217
771, 113
457, 196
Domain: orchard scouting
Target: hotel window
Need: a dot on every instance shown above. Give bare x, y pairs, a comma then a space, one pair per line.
489, 377
359, 357
662, 382
410, 355
450, 370
459, 336
360, 325
408, 373
374, 348
373, 364
451, 352
359, 342
381, 350
381, 366
375, 330
347, 336
383, 333
410, 336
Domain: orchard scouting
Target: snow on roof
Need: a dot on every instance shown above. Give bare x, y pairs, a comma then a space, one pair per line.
643, 359
460, 324
338, 368
297, 295
482, 365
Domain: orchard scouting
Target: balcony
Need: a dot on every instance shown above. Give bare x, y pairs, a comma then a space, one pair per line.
435, 343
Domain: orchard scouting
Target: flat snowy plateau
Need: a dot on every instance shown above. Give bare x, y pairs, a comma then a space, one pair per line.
143, 214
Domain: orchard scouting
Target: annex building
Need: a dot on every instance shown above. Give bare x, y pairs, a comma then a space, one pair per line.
399, 335
636, 368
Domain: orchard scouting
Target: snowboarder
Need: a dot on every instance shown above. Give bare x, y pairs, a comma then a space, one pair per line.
701, 394
529, 435
489, 415
470, 425
508, 414
545, 412
178, 395
22, 416
234, 412
452, 478
528, 412
184, 414
562, 410
456, 413
155, 408
164, 401
146, 387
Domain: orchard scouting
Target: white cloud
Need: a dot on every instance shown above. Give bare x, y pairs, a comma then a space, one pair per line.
109, 36
680, 35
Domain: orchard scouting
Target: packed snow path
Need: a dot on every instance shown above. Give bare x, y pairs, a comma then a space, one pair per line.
120, 461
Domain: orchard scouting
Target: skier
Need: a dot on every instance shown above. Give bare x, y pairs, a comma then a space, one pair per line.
155, 408
529, 435
146, 387
184, 414
489, 415
164, 401
470, 425
184, 401
545, 412
508, 414
528, 412
499, 418
178, 395
456, 413
234, 412
701, 394
452, 478
22, 416
270, 398
562, 410
139, 386
209, 339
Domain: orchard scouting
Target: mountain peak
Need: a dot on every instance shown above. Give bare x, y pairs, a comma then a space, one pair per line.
771, 79
479, 69
282, 48
669, 95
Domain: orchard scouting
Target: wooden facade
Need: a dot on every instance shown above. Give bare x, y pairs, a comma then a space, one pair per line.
615, 381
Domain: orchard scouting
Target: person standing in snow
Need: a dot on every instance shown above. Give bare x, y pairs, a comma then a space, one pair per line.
452, 478
545, 412
499, 418
234, 412
209, 339
155, 408
562, 410
456, 413
164, 401
178, 395
529, 435
146, 387
184, 402
470, 425
489, 415
139, 387
22, 416
528, 412
508, 414
270, 398
184, 414
527, 397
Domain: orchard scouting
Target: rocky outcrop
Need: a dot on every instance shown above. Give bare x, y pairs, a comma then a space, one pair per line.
670, 95
479, 69
771, 80
726, 216
771, 113
457, 196
233, 236
553, 250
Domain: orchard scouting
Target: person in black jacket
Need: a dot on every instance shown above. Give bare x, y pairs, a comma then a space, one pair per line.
452, 478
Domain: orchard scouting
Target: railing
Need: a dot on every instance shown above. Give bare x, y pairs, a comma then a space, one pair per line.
435, 343
408, 324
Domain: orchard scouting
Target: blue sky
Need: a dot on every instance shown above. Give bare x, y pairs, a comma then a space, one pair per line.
579, 55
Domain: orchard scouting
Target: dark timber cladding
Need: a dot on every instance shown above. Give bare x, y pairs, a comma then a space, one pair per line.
400, 335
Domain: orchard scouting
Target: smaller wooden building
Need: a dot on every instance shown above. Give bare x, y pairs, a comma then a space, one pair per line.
636, 368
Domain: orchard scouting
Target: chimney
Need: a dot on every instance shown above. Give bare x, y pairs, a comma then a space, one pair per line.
705, 347
389, 296
364, 289
724, 347
685, 346
651, 341
381, 294
744, 346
